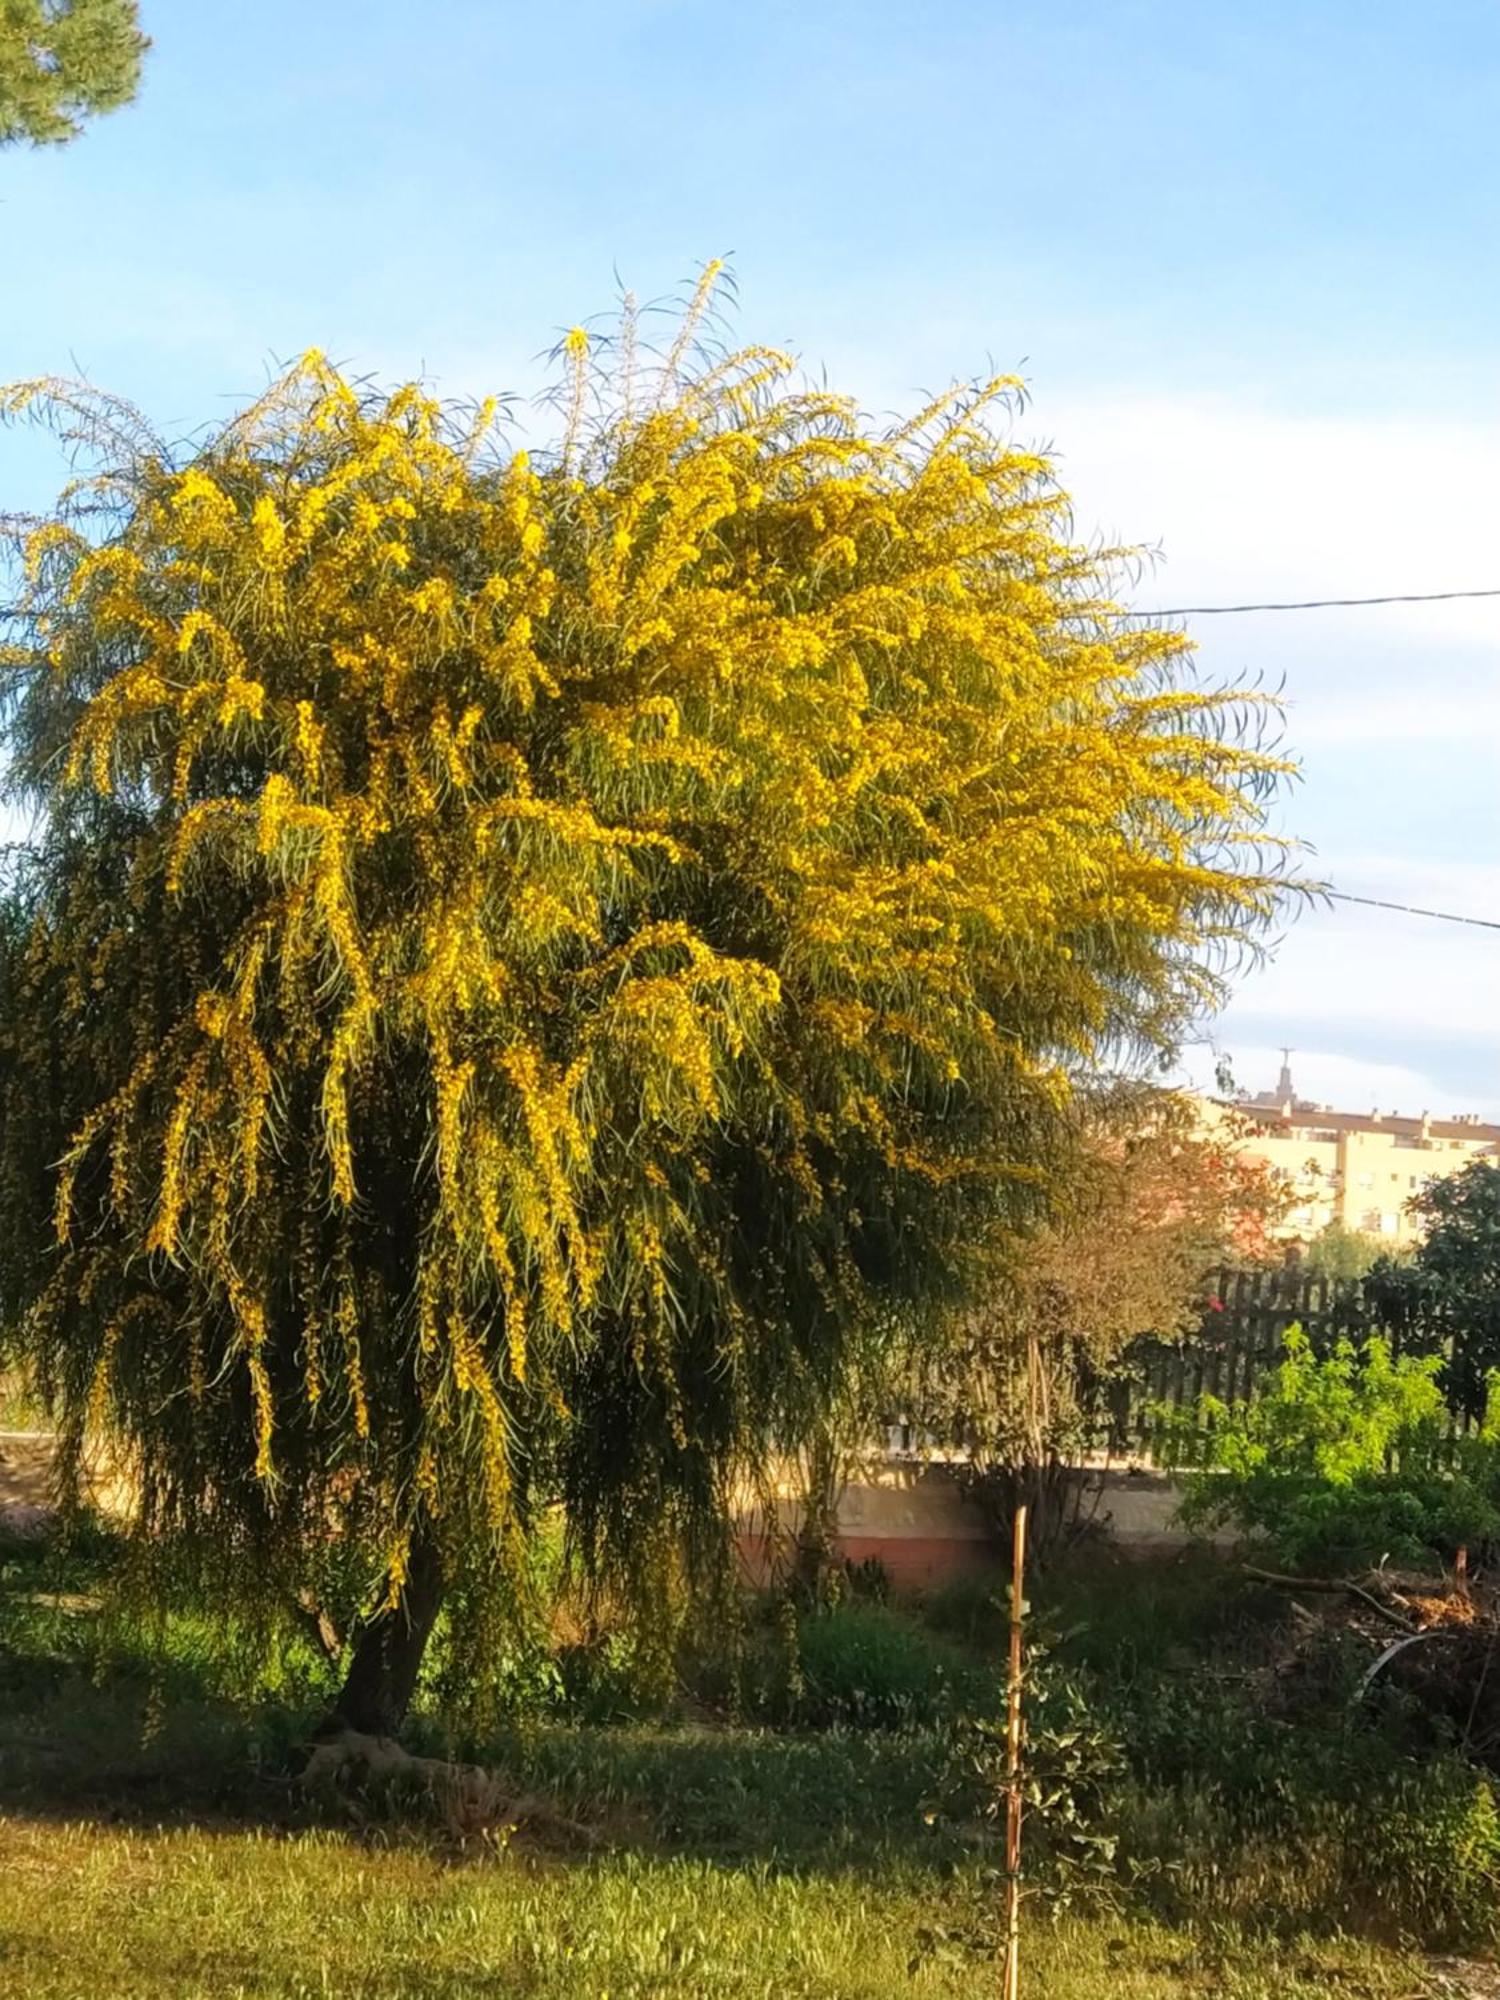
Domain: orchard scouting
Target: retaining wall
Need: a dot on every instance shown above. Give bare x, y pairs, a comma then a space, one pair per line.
909, 1516
913, 1519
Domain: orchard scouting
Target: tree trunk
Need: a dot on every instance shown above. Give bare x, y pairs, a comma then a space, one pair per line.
816, 1537
388, 1650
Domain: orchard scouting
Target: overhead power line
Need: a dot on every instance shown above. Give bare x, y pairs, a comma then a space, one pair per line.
1313, 604
1414, 910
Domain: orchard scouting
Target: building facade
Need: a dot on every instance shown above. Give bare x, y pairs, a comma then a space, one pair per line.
1357, 1168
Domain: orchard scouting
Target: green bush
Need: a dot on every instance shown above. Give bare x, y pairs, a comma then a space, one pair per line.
1074, 1768
865, 1665
1342, 1460
1255, 1790
859, 1666
975, 1610
1409, 1855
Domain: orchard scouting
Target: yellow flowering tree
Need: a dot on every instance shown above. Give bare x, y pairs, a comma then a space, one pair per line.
523, 958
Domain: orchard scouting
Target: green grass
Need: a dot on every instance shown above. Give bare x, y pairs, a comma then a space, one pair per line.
88, 1910
153, 1839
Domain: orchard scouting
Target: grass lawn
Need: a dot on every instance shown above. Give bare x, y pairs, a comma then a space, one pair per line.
180, 1858
90, 1910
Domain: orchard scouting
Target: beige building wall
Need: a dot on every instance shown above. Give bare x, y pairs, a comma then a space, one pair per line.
1356, 1168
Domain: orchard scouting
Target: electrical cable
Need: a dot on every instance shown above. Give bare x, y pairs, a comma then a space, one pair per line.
1413, 910
1311, 604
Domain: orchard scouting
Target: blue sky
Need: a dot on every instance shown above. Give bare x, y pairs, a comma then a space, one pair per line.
1244, 255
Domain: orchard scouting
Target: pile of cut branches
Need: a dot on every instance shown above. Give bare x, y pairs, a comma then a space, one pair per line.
1435, 1637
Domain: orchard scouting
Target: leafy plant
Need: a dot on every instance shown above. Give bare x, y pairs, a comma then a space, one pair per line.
1447, 1295
1344, 1458
62, 61
1436, 1843
862, 1665
1073, 1776
1346, 1255
1024, 1385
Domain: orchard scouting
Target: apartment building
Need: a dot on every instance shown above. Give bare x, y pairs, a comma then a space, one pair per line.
1358, 1168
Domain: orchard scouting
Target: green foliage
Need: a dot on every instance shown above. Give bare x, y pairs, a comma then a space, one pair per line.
1254, 1806
62, 61
1345, 1254
1073, 1786
1436, 1846
1023, 1386
1286, 1819
20, 1408
1343, 1459
1450, 1291
864, 1665
1255, 1790
1131, 1624
520, 1674
1407, 1853
840, 1662
974, 1609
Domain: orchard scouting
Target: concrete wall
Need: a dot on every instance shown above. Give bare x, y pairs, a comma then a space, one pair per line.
27, 1483
913, 1519
25, 1469
910, 1517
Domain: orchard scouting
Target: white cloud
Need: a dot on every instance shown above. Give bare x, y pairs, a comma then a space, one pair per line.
1456, 714
1323, 1076
1251, 504
1383, 1008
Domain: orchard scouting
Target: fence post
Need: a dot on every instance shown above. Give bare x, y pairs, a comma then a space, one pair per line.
1012, 1986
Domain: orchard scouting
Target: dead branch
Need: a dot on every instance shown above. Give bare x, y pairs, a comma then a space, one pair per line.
352, 1769
1333, 1585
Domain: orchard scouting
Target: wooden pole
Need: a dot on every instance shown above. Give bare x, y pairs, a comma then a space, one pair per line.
1012, 1987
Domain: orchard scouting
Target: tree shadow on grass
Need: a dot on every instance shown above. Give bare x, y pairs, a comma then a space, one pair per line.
147, 1728
115, 1721
146, 1744
129, 1748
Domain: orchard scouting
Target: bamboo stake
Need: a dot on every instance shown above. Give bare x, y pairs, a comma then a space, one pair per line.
1012, 1987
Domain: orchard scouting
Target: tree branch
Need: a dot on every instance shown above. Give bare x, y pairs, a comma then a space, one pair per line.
319, 1627
1332, 1585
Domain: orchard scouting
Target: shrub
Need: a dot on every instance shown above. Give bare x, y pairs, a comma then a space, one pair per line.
860, 1665
1073, 1774
1343, 1459
973, 1609
1436, 1847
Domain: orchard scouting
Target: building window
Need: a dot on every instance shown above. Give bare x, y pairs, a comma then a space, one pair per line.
1369, 1222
